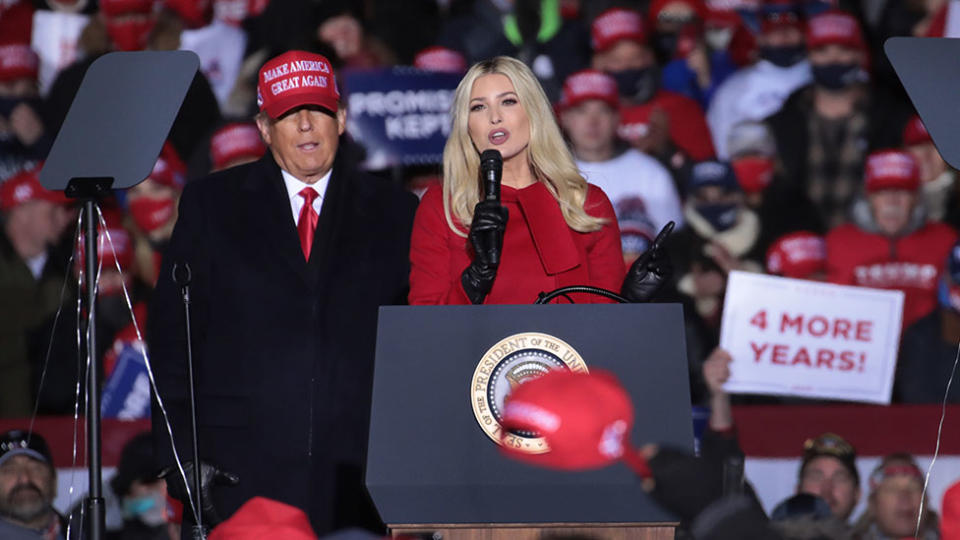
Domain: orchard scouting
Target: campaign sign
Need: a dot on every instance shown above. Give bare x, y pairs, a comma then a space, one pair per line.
400, 115
809, 339
126, 393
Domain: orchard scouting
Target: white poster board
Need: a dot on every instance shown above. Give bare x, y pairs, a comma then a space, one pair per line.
809, 339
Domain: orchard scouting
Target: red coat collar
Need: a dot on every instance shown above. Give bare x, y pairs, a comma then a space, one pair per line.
551, 234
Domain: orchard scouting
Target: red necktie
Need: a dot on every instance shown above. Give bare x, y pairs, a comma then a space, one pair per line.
308, 220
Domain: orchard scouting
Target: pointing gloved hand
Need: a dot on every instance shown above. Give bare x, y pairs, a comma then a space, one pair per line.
210, 476
486, 237
649, 272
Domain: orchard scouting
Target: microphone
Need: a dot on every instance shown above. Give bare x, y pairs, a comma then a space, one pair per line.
491, 168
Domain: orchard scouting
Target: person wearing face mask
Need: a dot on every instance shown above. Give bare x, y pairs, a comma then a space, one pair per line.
721, 235
825, 129
938, 181
550, 228
929, 346
658, 122
693, 65
890, 244
152, 205
23, 138
759, 90
142, 496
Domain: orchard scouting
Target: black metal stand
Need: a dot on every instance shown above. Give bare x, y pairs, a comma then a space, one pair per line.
545, 298
90, 190
182, 277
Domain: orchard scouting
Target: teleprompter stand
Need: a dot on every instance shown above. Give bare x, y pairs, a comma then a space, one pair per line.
432, 466
110, 139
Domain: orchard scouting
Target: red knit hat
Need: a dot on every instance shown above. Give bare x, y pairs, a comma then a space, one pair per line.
440, 59
616, 24
834, 28
296, 78
24, 187
265, 518
891, 169
235, 141
797, 255
915, 132
18, 62
589, 84
585, 419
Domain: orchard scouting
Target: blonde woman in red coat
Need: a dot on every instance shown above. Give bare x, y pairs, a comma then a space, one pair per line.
552, 229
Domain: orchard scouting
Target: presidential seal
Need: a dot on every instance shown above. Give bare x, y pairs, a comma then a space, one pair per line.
505, 366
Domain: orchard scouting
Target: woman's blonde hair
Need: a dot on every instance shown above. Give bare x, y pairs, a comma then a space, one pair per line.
550, 160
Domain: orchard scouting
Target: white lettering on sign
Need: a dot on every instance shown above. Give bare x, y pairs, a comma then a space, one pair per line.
398, 102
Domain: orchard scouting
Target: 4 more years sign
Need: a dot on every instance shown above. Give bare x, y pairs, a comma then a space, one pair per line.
809, 339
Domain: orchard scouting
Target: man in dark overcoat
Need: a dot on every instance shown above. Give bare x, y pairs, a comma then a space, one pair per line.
290, 258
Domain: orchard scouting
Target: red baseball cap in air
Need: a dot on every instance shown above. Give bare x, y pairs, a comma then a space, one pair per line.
589, 84
891, 169
616, 24
294, 79
797, 255
585, 419
265, 518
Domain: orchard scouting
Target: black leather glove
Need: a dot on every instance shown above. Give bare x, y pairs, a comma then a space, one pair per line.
210, 476
684, 484
649, 272
486, 237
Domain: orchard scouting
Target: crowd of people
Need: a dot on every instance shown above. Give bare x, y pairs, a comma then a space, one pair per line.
773, 133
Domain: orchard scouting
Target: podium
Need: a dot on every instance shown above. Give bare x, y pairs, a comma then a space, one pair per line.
440, 378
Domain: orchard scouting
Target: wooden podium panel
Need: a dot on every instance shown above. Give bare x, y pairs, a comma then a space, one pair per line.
536, 531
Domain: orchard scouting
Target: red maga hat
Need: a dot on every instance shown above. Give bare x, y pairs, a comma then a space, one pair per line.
18, 61
616, 24
265, 518
24, 187
834, 28
891, 169
589, 84
585, 418
235, 141
294, 79
440, 59
169, 169
797, 255
915, 132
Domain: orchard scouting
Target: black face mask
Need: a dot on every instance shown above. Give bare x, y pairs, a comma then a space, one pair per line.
665, 46
721, 216
7, 104
784, 56
638, 85
837, 76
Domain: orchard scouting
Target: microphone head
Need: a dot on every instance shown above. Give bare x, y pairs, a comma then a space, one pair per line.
491, 159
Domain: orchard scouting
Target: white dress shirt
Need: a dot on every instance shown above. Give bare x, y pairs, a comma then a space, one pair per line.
295, 186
